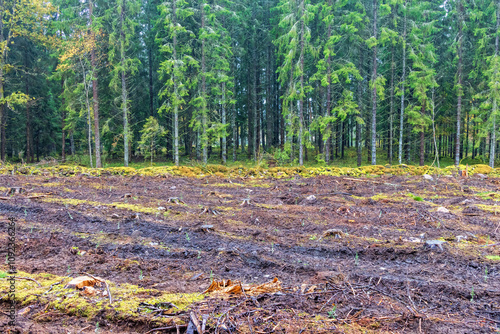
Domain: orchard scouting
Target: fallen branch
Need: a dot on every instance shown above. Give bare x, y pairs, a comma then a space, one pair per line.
84, 328
6, 314
362, 180
26, 278
497, 321
335, 193
415, 313
158, 308
435, 218
4, 198
195, 321
36, 196
165, 328
227, 311
52, 285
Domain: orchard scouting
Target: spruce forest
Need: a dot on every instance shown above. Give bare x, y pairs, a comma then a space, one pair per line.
301, 81
249, 167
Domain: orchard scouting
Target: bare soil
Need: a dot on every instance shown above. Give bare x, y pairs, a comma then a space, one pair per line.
351, 253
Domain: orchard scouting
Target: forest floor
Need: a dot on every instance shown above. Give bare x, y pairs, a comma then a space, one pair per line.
385, 254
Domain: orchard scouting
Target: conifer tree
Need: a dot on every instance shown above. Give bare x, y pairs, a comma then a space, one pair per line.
177, 48
123, 23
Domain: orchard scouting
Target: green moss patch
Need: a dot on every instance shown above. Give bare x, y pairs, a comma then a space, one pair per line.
126, 298
240, 171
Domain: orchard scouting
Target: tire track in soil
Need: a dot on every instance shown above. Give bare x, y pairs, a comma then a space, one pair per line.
441, 279
321, 258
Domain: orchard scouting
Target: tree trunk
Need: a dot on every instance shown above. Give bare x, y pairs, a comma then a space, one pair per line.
467, 134
402, 112
301, 101
374, 91
360, 106
422, 138
63, 125
150, 63
204, 138
436, 151
328, 98
29, 146
233, 120
90, 130
235, 133
459, 82
95, 93
124, 88
250, 136
72, 143
495, 102
391, 111
224, 142
290, 118
269, 109
259, 139
254, 100
176, 93
3, 118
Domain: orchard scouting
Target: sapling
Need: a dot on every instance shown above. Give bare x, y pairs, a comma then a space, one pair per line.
333, 312
472, 295
356, 259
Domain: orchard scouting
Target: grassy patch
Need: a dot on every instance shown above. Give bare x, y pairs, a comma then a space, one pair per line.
125, 206
488, 208
243, 171
489, 195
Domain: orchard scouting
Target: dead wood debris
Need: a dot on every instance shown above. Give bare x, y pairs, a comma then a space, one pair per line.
209, 210
15, 190
228, 287
246, 202
158, 309
27, 279
54, 284
339, 303
337, 234
89, 281
218, 195
175, 200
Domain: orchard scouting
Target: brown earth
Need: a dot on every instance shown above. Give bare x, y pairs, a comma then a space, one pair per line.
372, 272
